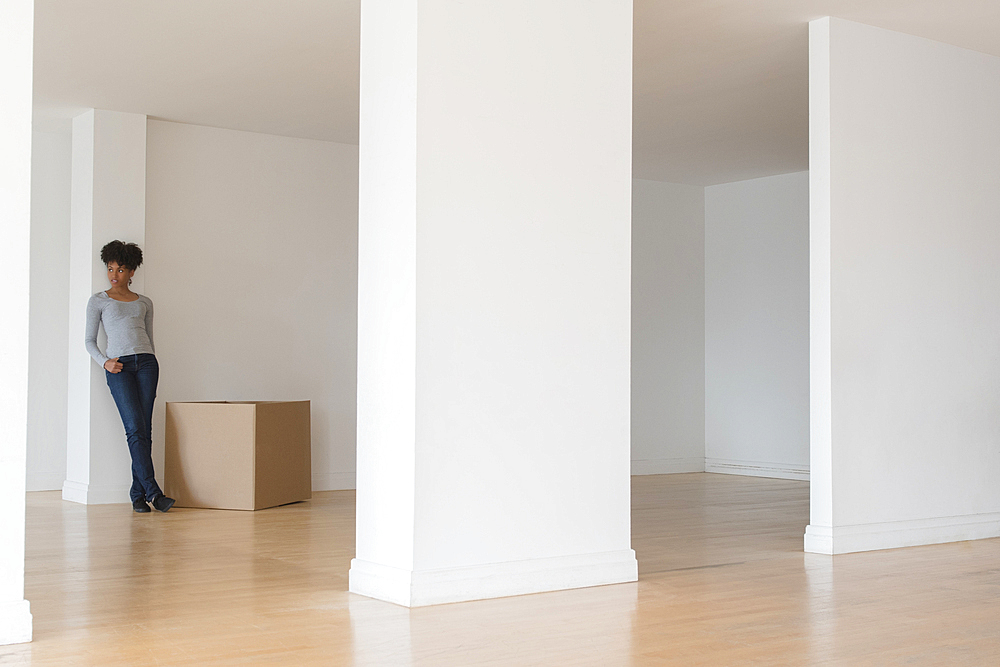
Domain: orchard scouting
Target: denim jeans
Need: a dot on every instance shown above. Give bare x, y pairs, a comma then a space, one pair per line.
134, 390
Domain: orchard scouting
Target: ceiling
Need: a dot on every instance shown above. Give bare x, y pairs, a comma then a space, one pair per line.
720, 86
287, 68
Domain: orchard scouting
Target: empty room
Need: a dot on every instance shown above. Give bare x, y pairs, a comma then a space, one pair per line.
522, 333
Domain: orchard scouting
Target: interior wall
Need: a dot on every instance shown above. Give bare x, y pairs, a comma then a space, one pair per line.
251, 246
906, 248
757, 327
668, 328
51, 155
668, 295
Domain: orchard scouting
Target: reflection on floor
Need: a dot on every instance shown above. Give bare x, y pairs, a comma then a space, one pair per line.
723, 581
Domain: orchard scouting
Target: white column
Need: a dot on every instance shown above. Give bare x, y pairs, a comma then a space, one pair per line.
905, 162
494, 299
108, 202
17, 17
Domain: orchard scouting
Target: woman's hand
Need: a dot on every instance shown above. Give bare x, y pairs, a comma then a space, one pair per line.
113, 365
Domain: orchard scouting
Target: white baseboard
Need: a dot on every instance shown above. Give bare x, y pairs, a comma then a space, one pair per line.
895, 534
45, 481
333, 481
428, 587
92, 494
758, 469
15, 622
668, 466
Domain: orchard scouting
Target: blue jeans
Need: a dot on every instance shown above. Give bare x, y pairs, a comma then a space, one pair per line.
134, 390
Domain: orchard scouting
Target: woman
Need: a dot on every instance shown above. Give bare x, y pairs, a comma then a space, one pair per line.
129, 365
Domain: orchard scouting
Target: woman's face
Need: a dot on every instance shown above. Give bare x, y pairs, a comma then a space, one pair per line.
119, 276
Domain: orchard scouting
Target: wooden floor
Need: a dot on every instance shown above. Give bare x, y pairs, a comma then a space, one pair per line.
723, 581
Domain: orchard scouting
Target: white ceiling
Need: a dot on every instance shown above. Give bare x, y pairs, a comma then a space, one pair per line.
719, 85
287, 67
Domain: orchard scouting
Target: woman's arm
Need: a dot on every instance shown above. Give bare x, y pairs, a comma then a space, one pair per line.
149, 322
90, 337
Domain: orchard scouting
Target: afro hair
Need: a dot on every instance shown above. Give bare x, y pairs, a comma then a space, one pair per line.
123, 254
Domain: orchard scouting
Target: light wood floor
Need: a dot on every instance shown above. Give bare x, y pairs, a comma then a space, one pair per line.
723, 581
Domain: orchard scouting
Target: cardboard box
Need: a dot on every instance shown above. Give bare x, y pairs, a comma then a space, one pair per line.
244, 455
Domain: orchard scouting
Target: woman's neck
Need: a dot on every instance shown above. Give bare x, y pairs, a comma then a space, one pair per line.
125, 293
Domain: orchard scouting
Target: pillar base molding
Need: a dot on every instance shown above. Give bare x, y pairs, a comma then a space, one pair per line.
15, 622
92, 494
896, 534
428, 587
818, 540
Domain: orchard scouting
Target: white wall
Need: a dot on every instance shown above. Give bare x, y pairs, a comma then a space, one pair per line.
51, 151
251, 263
720, 327
757, 327
906, 285
668, 328
668, 318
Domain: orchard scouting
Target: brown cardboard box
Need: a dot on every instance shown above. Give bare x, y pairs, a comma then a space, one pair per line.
244, 455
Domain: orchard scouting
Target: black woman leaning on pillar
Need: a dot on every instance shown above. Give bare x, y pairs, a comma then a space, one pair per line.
129, 365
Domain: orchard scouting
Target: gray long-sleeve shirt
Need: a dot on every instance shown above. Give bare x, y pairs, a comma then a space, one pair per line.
129, 326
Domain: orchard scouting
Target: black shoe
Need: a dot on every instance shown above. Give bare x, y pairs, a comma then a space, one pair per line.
140, 506
161, 503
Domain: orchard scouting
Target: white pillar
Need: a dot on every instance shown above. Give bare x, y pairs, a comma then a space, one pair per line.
108, 202
494, 298
16, 17
904, 282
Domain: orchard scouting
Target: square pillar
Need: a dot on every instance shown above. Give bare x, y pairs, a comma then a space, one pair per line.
494, 299
904, 165
108, 202
16, 17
